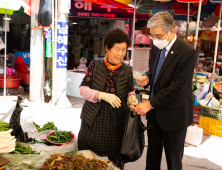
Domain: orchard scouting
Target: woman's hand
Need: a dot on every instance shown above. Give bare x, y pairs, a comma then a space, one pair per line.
132, 102
142, 81
112, 99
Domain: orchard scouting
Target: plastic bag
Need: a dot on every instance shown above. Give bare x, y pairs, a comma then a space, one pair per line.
210, 101
36, 161
22, 162
133, 139
28, 126
15, 123
202, 93
45, 12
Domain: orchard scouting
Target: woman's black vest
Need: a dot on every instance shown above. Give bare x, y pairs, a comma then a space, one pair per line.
90, 110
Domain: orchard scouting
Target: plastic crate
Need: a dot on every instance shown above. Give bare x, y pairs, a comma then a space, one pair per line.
211, 113
211, 126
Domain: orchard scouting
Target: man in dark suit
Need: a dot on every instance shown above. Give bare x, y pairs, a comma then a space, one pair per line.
170, 108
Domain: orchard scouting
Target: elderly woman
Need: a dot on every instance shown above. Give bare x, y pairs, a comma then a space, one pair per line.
107, 85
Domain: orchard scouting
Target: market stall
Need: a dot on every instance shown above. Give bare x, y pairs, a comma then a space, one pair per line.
33, 136
14, 65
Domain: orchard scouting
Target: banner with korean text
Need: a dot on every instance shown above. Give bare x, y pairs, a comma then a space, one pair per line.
81, 8
62, 42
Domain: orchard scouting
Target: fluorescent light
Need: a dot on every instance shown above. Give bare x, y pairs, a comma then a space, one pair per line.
75, 23
8, 18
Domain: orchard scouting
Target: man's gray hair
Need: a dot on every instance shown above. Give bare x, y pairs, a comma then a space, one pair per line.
163, 20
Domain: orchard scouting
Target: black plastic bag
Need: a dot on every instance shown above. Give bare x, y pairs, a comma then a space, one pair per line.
45, 12
15, 123
133, 139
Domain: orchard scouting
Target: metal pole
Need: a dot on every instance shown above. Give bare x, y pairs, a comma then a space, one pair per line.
216, 48
188, 18
54, 89
134, 18
5, 52
198, 21
54, 56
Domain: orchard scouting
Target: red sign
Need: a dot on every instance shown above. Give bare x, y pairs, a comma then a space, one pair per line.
81, 8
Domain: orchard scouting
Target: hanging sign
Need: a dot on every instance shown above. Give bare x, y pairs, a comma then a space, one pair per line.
81, 8
62, 42
49, 43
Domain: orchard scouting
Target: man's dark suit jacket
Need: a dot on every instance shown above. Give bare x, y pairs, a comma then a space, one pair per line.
173, 99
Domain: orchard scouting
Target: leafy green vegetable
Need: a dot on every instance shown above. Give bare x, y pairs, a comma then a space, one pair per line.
60, 137
47, 126
19, 149
4, 126
43, 141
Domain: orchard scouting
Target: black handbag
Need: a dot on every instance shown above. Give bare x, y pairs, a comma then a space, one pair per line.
133, 140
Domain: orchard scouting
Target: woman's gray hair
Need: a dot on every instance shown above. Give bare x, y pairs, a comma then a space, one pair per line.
163, 20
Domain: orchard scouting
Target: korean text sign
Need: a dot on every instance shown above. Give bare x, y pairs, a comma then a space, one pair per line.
81, 8
62, 43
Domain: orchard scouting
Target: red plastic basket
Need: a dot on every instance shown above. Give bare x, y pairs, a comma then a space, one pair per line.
73, 137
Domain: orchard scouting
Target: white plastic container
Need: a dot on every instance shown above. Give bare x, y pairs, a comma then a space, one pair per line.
194, 135
1, 70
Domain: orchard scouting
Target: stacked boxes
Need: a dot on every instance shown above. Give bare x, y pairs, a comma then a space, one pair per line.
211, 126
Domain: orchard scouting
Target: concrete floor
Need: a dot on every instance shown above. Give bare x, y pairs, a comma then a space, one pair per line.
206, 156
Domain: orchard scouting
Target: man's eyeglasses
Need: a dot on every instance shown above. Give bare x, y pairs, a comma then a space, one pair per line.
154, 38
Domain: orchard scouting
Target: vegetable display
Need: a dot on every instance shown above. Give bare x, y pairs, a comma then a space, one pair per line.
60, 137
19, 149
47, 126
3, 126
7, 142
74, 162
42, 141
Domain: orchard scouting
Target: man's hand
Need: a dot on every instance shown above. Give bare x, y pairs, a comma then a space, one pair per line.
142, 81
143, 108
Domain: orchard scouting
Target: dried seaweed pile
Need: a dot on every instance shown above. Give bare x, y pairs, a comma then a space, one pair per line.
74, 162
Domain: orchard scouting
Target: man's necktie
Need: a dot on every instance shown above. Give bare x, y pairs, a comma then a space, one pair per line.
159, 65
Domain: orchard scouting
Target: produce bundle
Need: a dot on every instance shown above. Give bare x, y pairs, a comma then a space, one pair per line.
60, 137
74, 162
7, 141
47, 126
3, 126
19, 149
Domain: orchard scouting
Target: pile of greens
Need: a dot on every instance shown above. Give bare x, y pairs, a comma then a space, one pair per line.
74, 162
4, 126
47, 126
19, 149
60, 137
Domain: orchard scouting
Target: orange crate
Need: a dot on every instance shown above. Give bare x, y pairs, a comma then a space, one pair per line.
211, 126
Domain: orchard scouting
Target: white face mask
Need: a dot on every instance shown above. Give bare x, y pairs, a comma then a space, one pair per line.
161, 43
